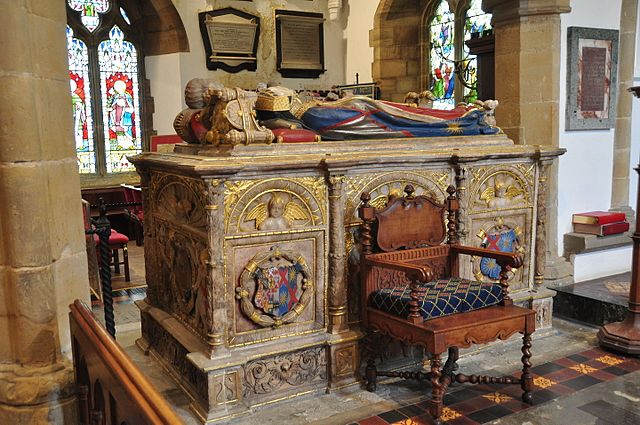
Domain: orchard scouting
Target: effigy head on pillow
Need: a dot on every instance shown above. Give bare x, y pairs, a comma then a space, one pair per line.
273, 110
192, 124
219, 115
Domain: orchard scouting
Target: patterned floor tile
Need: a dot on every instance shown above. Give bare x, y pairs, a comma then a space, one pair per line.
392, 416
613, 370
581, 382
578, 358
424, 419
374, 420
563, 375
461, 421
475, 404
545, 369
411, 410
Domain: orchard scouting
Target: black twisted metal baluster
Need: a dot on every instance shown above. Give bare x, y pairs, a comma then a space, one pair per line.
103, 229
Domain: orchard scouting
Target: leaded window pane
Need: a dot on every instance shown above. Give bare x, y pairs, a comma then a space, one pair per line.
81, 102
125, 16
442, 56
89, 11
476, 22
118, 64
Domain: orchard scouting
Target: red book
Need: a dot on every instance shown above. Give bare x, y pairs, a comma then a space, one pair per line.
601, 229
599, 217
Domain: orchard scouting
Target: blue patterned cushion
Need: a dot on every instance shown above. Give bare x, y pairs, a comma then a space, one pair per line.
439, 298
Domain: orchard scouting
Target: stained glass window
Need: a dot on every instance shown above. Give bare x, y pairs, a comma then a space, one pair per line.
442, 56
81, 102
125, 16
118, 62
89, 11
476, 22
105, 70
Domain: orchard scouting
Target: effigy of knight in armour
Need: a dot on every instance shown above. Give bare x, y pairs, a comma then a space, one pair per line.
252, 236
277, 114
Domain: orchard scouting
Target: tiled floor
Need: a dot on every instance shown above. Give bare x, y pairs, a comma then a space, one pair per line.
477, 404
575, 382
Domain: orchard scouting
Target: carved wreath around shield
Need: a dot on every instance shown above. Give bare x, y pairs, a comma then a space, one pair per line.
281, 284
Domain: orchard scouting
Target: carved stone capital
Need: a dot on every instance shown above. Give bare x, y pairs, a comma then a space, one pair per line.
511, 10
31, 386
337, 180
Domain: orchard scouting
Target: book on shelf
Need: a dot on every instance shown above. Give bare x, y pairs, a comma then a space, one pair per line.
601, 229
599, 217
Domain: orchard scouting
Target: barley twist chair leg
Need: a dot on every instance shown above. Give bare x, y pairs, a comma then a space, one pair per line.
526, 380
435, 407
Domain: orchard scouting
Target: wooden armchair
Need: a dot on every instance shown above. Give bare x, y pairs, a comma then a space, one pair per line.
412, 291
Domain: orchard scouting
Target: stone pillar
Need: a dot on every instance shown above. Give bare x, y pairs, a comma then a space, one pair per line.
337, 257
622, 141
43, 264
216, 312
527, 61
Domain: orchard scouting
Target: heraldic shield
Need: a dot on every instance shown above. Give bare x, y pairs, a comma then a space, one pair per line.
278, 289
275, 287
501, 240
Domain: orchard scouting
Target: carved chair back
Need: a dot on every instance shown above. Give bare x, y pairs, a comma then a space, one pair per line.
409, 229
410, 222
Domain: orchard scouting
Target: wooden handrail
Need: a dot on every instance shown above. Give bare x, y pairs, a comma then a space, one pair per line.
142, 399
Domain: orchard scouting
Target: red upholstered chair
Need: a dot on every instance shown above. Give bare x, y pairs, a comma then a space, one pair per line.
117, 242
135, 213
412, 291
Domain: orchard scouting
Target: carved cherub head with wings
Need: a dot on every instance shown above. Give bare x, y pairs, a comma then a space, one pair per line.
279, 213
503, 192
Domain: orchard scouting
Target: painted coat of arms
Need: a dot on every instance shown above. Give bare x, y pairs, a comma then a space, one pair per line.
278, 289
499, 238
275, 287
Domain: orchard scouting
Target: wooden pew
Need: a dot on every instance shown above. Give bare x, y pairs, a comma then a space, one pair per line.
111, 389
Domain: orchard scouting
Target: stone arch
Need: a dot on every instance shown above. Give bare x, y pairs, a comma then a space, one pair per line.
162, 26
398, 43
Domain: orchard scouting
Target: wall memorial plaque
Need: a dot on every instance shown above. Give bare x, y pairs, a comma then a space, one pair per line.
365, 89
299, 44
230, 39
592, 61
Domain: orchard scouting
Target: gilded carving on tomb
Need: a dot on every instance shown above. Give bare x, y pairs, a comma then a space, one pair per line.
184, 276
278, 204
527, 171
179, 200
278, 213
385, 185
275, 287
500, 188
275, 290
284, 371
175, 354
345, 361
226, 387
